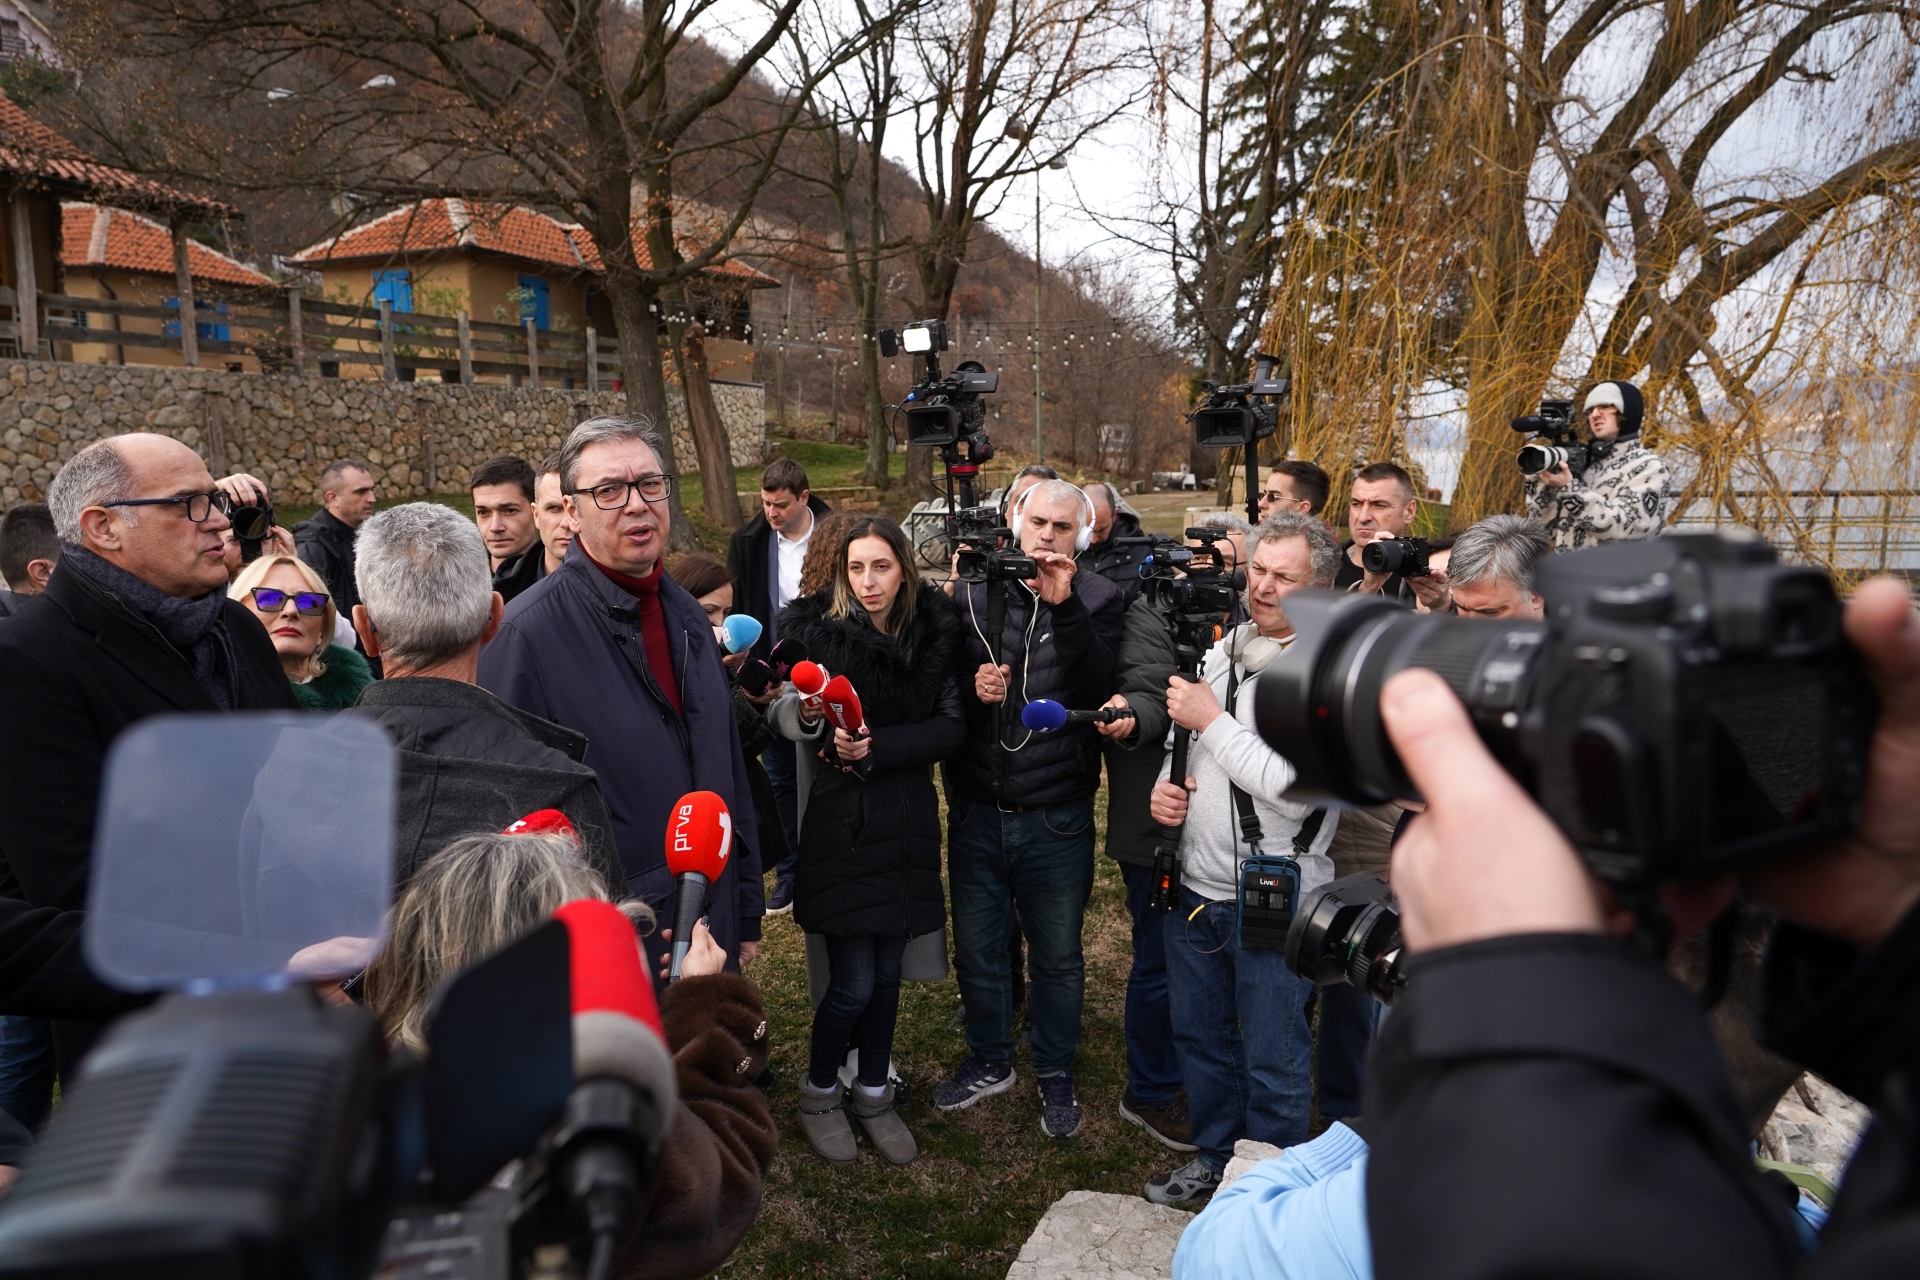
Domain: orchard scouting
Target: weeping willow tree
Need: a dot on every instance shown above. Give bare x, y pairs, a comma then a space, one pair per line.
1715, 201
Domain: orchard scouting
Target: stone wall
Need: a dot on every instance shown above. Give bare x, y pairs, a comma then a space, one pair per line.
420, 437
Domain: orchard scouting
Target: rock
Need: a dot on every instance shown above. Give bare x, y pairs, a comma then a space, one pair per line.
1096, 1235
1815, 1125
1246, 1154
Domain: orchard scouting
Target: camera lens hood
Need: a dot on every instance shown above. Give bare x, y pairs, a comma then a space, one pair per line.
1294, 716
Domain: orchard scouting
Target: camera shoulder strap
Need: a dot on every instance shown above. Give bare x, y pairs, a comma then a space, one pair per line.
1243, 803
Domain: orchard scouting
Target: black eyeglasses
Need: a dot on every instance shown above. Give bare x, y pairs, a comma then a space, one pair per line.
199, 505
273, 600
614, 494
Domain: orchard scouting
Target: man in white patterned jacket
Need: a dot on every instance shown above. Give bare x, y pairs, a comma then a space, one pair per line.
1625, 491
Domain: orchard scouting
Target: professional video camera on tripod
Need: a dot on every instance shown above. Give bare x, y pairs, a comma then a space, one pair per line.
245, 1128
1241, 416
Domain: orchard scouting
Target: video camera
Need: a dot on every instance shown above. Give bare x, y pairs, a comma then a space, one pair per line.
1554, 444
1690, 707
1182, 579
1240, 416
945, 412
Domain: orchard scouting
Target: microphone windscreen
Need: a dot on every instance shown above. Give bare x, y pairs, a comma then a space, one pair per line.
755, 676
616, 1019
542, 822
742, 631
699, 835
785, 656
842, 704
809, 678
1043, 716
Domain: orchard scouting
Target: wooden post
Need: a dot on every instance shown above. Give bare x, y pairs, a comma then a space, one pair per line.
593, 359
533, 355
432, 474
216, 436
26, 292
466, 351
296, 338
183, 288
388, 369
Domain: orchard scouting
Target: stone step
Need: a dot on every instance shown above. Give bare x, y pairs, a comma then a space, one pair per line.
1096, 1235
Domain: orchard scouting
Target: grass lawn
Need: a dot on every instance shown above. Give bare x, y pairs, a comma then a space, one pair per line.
985, 1174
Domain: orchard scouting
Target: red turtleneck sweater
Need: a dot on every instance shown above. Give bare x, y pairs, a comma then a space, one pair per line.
653, 625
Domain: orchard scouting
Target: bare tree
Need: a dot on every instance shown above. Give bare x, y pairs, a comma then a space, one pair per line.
587, 107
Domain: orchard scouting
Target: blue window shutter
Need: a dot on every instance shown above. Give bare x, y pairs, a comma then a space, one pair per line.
535, 302
172, 327
395, 288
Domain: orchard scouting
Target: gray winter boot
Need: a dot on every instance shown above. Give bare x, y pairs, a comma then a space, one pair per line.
885, 1129
824, 1121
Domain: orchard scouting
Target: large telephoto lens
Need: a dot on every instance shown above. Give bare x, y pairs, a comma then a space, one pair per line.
1535, 458
1318, 703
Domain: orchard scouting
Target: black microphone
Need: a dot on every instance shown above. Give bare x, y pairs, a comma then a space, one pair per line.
1043, 715
785, 656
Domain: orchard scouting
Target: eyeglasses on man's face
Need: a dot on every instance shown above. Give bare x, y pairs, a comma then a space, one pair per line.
273, 600
615, 494
199, 505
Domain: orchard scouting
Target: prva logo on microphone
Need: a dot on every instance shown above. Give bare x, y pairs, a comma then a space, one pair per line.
700, 835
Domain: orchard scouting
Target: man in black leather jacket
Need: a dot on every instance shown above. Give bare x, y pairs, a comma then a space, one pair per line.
1545, 1101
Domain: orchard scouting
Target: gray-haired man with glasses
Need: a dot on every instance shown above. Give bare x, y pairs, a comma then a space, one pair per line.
610, 646
135, 622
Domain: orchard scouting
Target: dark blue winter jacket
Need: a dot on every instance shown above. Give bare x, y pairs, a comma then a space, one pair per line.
570, 651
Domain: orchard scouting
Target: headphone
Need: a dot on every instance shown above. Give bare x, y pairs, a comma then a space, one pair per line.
1081, 540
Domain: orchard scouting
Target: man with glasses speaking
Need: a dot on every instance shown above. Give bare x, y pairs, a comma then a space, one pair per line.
610, 646
135, 622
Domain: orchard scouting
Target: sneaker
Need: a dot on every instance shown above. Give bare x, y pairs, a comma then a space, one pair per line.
1059, 1108
1191, 1183
973, 1081
781, 900
1169, 1125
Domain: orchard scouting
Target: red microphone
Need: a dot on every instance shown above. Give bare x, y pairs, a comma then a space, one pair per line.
809, 680
699, 837
624, 1092
842, 705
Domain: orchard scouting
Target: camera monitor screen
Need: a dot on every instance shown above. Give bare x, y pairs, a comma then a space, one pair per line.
242, 851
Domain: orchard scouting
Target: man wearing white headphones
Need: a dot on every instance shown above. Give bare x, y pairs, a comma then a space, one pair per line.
1625, 491
1020, 825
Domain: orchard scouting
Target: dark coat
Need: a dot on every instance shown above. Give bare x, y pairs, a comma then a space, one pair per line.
1118, 565
1072, 663
570, 651
1146, 660
517, 573
9, 603
469, 763
75, 670
869, 861
325, 542
749, 553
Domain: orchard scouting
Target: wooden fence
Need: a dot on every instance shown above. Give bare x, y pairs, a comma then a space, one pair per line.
294, 334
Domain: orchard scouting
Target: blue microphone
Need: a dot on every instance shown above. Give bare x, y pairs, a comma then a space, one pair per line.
1043, 715
742, 631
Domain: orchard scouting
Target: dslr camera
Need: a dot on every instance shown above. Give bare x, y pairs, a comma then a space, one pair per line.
1553, 444
1689, 707
1404, 556
252, 525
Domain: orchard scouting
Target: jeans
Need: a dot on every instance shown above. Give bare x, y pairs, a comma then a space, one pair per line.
1240, 1027
1153, 1068
1348, 1018
26, 1069
1037, 866
777, 760
863, 996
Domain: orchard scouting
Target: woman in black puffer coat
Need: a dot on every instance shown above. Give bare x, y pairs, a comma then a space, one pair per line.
868, 876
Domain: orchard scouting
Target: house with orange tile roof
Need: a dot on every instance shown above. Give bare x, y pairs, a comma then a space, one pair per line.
120, 256
509, 264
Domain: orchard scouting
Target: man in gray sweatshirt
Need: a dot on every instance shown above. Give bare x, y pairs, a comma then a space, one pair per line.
1240, 1024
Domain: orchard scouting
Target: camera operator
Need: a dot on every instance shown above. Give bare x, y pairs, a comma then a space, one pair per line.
1625, 491
1118, 565
1383, 505
1240, 1021
1021, 806
1533, 1051
1490, 573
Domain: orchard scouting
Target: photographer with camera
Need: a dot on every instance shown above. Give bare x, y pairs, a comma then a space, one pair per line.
1240, 1022
1613, 488
1021, 804
1382, 507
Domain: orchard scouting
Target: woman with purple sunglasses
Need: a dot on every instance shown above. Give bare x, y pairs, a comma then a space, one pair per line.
293, 604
